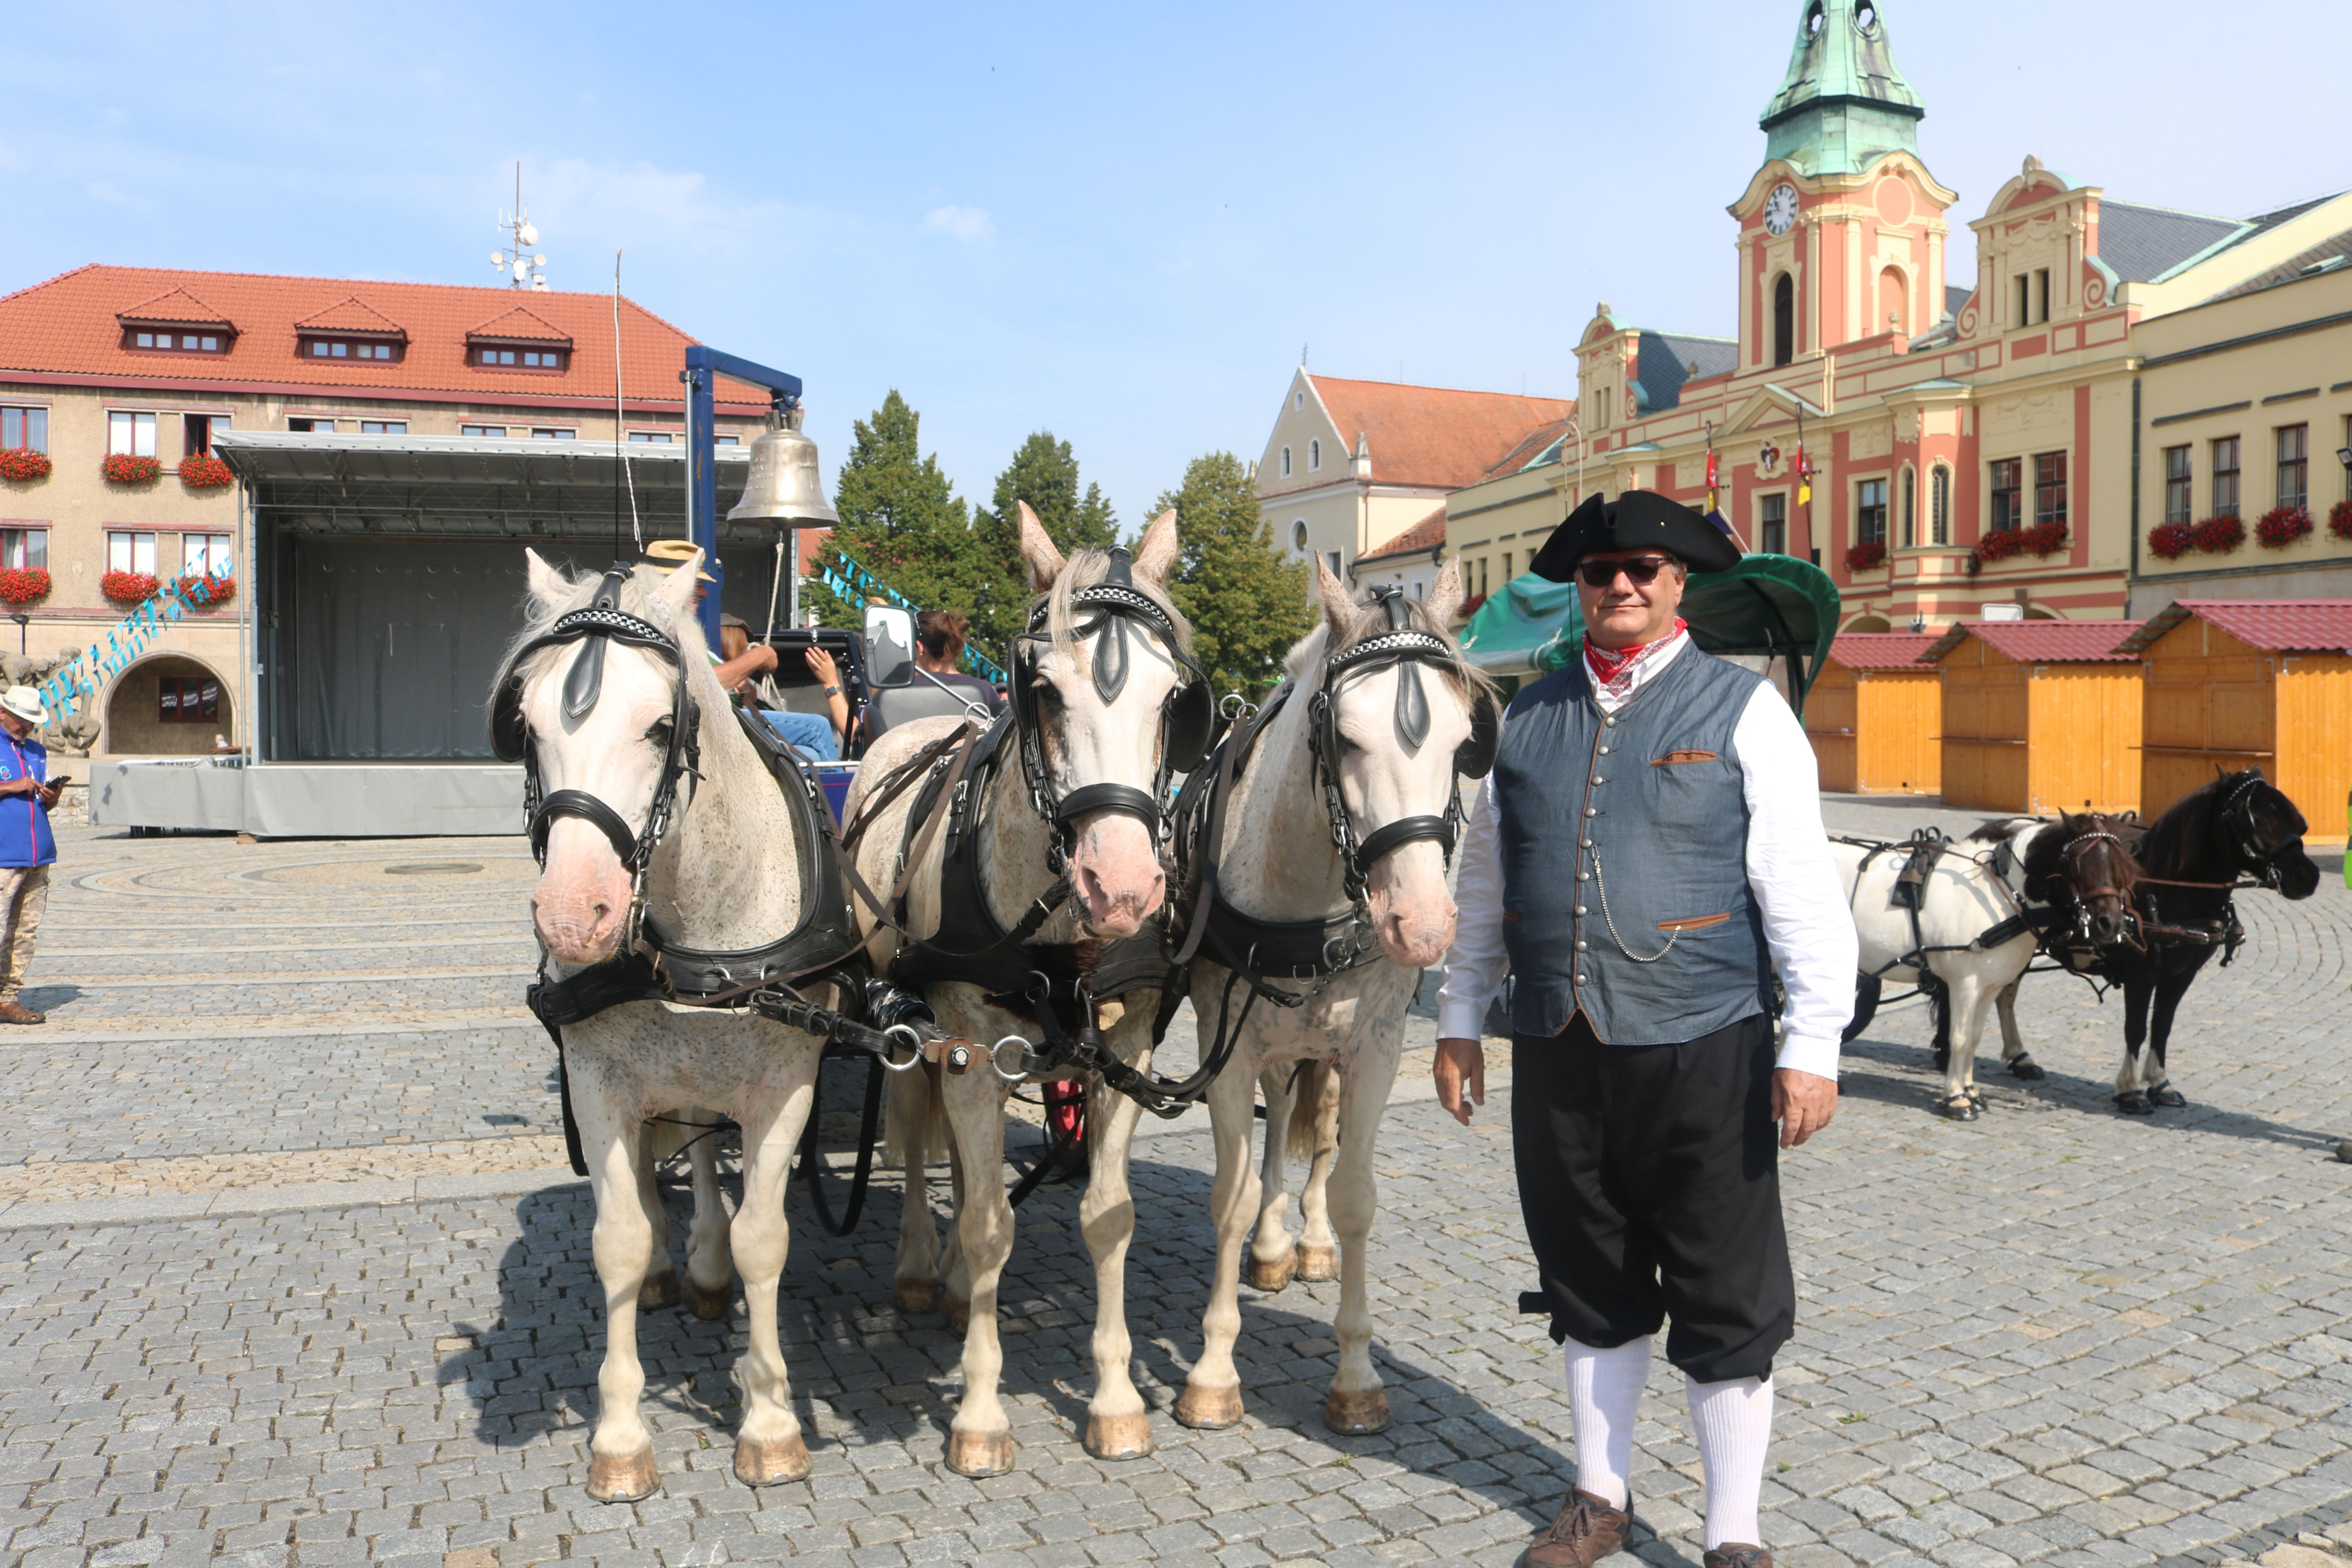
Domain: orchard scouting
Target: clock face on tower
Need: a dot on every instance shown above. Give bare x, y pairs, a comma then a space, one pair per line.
1780, 208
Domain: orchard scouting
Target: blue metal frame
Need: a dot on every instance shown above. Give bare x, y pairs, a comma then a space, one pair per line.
704, 366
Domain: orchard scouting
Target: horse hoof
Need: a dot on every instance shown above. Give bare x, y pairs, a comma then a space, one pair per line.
915, 1295
1357, 1415
980, 1453
1119, 1436
1976, 1096
771, 1461
1959, 1108
2135, 1103
1271, 1276
1209, 1409
959, 1314
2026, 1067
710, 1306
626, 1477
2165, 1095
658, 1291
1318, 1263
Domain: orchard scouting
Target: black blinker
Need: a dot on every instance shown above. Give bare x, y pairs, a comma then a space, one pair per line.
585, 680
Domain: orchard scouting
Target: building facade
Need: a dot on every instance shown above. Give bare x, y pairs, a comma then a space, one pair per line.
1935, 444
115, 380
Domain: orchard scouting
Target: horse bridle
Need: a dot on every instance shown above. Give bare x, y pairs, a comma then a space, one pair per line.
1406, 649
601, 621
1186, 715
2247, 839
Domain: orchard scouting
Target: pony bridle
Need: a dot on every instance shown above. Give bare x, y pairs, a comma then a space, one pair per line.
1185, 716
1406, 649
2070, 856
2248, 837
601, 621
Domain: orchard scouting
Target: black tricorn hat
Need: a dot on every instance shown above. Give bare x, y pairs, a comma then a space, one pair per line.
1638, 520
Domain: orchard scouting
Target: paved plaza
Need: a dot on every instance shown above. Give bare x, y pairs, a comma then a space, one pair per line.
290, 1273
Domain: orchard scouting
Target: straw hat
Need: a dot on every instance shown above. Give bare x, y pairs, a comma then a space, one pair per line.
25, 704
669, 554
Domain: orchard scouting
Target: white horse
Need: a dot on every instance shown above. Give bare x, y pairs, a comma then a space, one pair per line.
1119, 882
1280, 863
725, 878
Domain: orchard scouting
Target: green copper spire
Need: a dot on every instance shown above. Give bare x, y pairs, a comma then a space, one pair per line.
1843, 105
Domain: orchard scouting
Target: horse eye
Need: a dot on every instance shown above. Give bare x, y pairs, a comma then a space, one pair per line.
658, 733
1048, 694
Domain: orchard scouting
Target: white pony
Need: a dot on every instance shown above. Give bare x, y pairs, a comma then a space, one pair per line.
1279, 863
1120, 883
726, 878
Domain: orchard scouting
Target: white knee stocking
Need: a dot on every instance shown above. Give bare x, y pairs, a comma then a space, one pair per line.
1604, 1393
1734, 1421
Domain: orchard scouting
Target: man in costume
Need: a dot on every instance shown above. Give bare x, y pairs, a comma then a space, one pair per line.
1646, 1078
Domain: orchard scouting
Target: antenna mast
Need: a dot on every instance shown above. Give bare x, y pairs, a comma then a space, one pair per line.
519, 258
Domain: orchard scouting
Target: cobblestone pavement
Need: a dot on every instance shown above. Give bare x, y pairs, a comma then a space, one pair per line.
284, 1279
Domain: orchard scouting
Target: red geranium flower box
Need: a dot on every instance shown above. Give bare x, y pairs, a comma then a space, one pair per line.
2219, 536
2171, 540
207, 592
1867, 556
2282, 526
23, 463
129, 587
201, 473
2339, 520
125, 469
1998, 546
23, 585
2042, 538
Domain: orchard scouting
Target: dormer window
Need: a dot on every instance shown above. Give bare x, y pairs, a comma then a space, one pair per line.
177, 343
176, 322
488, 357
349, 349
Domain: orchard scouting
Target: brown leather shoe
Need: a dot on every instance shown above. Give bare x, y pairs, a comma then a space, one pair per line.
1738, 1555
15, 1012
1586, 1530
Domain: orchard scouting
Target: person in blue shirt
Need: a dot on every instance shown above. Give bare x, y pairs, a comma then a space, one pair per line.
26, 846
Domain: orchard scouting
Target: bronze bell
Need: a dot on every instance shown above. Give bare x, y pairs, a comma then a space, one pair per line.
784, 485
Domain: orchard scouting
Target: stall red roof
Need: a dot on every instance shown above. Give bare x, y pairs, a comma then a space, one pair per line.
2275, 626
1881, 650
2041, 642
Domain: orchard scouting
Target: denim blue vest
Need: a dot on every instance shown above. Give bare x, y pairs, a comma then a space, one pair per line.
1644, 808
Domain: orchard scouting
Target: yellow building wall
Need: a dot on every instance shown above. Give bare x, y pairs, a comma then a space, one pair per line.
2082, 738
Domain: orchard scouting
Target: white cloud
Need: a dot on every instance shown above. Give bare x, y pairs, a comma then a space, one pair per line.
970, 224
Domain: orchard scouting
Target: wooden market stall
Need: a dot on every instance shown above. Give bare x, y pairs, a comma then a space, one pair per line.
1875, 718
2040, 715
2231, 683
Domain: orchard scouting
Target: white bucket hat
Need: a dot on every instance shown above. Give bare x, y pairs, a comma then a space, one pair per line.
25, 704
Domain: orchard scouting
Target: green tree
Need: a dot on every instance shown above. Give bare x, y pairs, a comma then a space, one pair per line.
900, 518
1043, 473
1248, 602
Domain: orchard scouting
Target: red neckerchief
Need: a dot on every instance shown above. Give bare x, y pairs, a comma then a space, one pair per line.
1613, 666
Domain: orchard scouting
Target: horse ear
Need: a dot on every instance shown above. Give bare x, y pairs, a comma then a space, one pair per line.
1155, 558
677, 589
1037, 547
1445, 596
548, 584
1339, 605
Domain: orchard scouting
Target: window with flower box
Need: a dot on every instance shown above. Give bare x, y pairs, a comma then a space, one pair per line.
519, 359
2050, 489
129, 552
2225, 477
349, 349
2008, 489
22, 549
187, 699
204, 555
1870, 512
2294, 466
199, 430
2180, 483
212, 343
24, 428
129, 435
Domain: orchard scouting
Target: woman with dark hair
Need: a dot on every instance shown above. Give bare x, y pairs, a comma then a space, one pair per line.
939, 638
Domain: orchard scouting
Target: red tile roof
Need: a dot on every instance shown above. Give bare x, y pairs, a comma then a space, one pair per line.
1433, 436
349, 315
178, 307
68, 326
1881, 650
2273, 625
1426, 535
2041, 642
1529, 448
518, 324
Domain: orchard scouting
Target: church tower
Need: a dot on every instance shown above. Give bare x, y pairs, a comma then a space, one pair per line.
1840, 230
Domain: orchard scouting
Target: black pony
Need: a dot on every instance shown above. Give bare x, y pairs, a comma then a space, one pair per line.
2192, 860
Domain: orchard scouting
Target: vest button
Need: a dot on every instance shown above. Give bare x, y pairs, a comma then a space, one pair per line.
1592, 811
1580, 980
1609, 722
1604, 750
1579, 909
1596, 778
1583, 877
1584, 844
1579, 946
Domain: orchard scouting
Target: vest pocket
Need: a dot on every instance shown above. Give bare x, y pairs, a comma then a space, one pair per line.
1693, 922
1672, 758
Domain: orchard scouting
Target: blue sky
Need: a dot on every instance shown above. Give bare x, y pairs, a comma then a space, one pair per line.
1117, 222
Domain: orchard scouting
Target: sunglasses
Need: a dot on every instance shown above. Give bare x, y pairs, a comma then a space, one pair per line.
1641, 572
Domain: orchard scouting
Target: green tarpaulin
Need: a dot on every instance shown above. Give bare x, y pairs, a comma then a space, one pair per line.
1771, 604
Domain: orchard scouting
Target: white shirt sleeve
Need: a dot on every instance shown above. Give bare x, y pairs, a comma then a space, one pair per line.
1806, 921
1476, 963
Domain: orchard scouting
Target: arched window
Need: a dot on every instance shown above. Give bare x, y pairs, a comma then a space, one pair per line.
1784, 319
1299, 535
1893, 302
1314, 457
1910, 508
1939, 506
1285, 462
1298, 400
